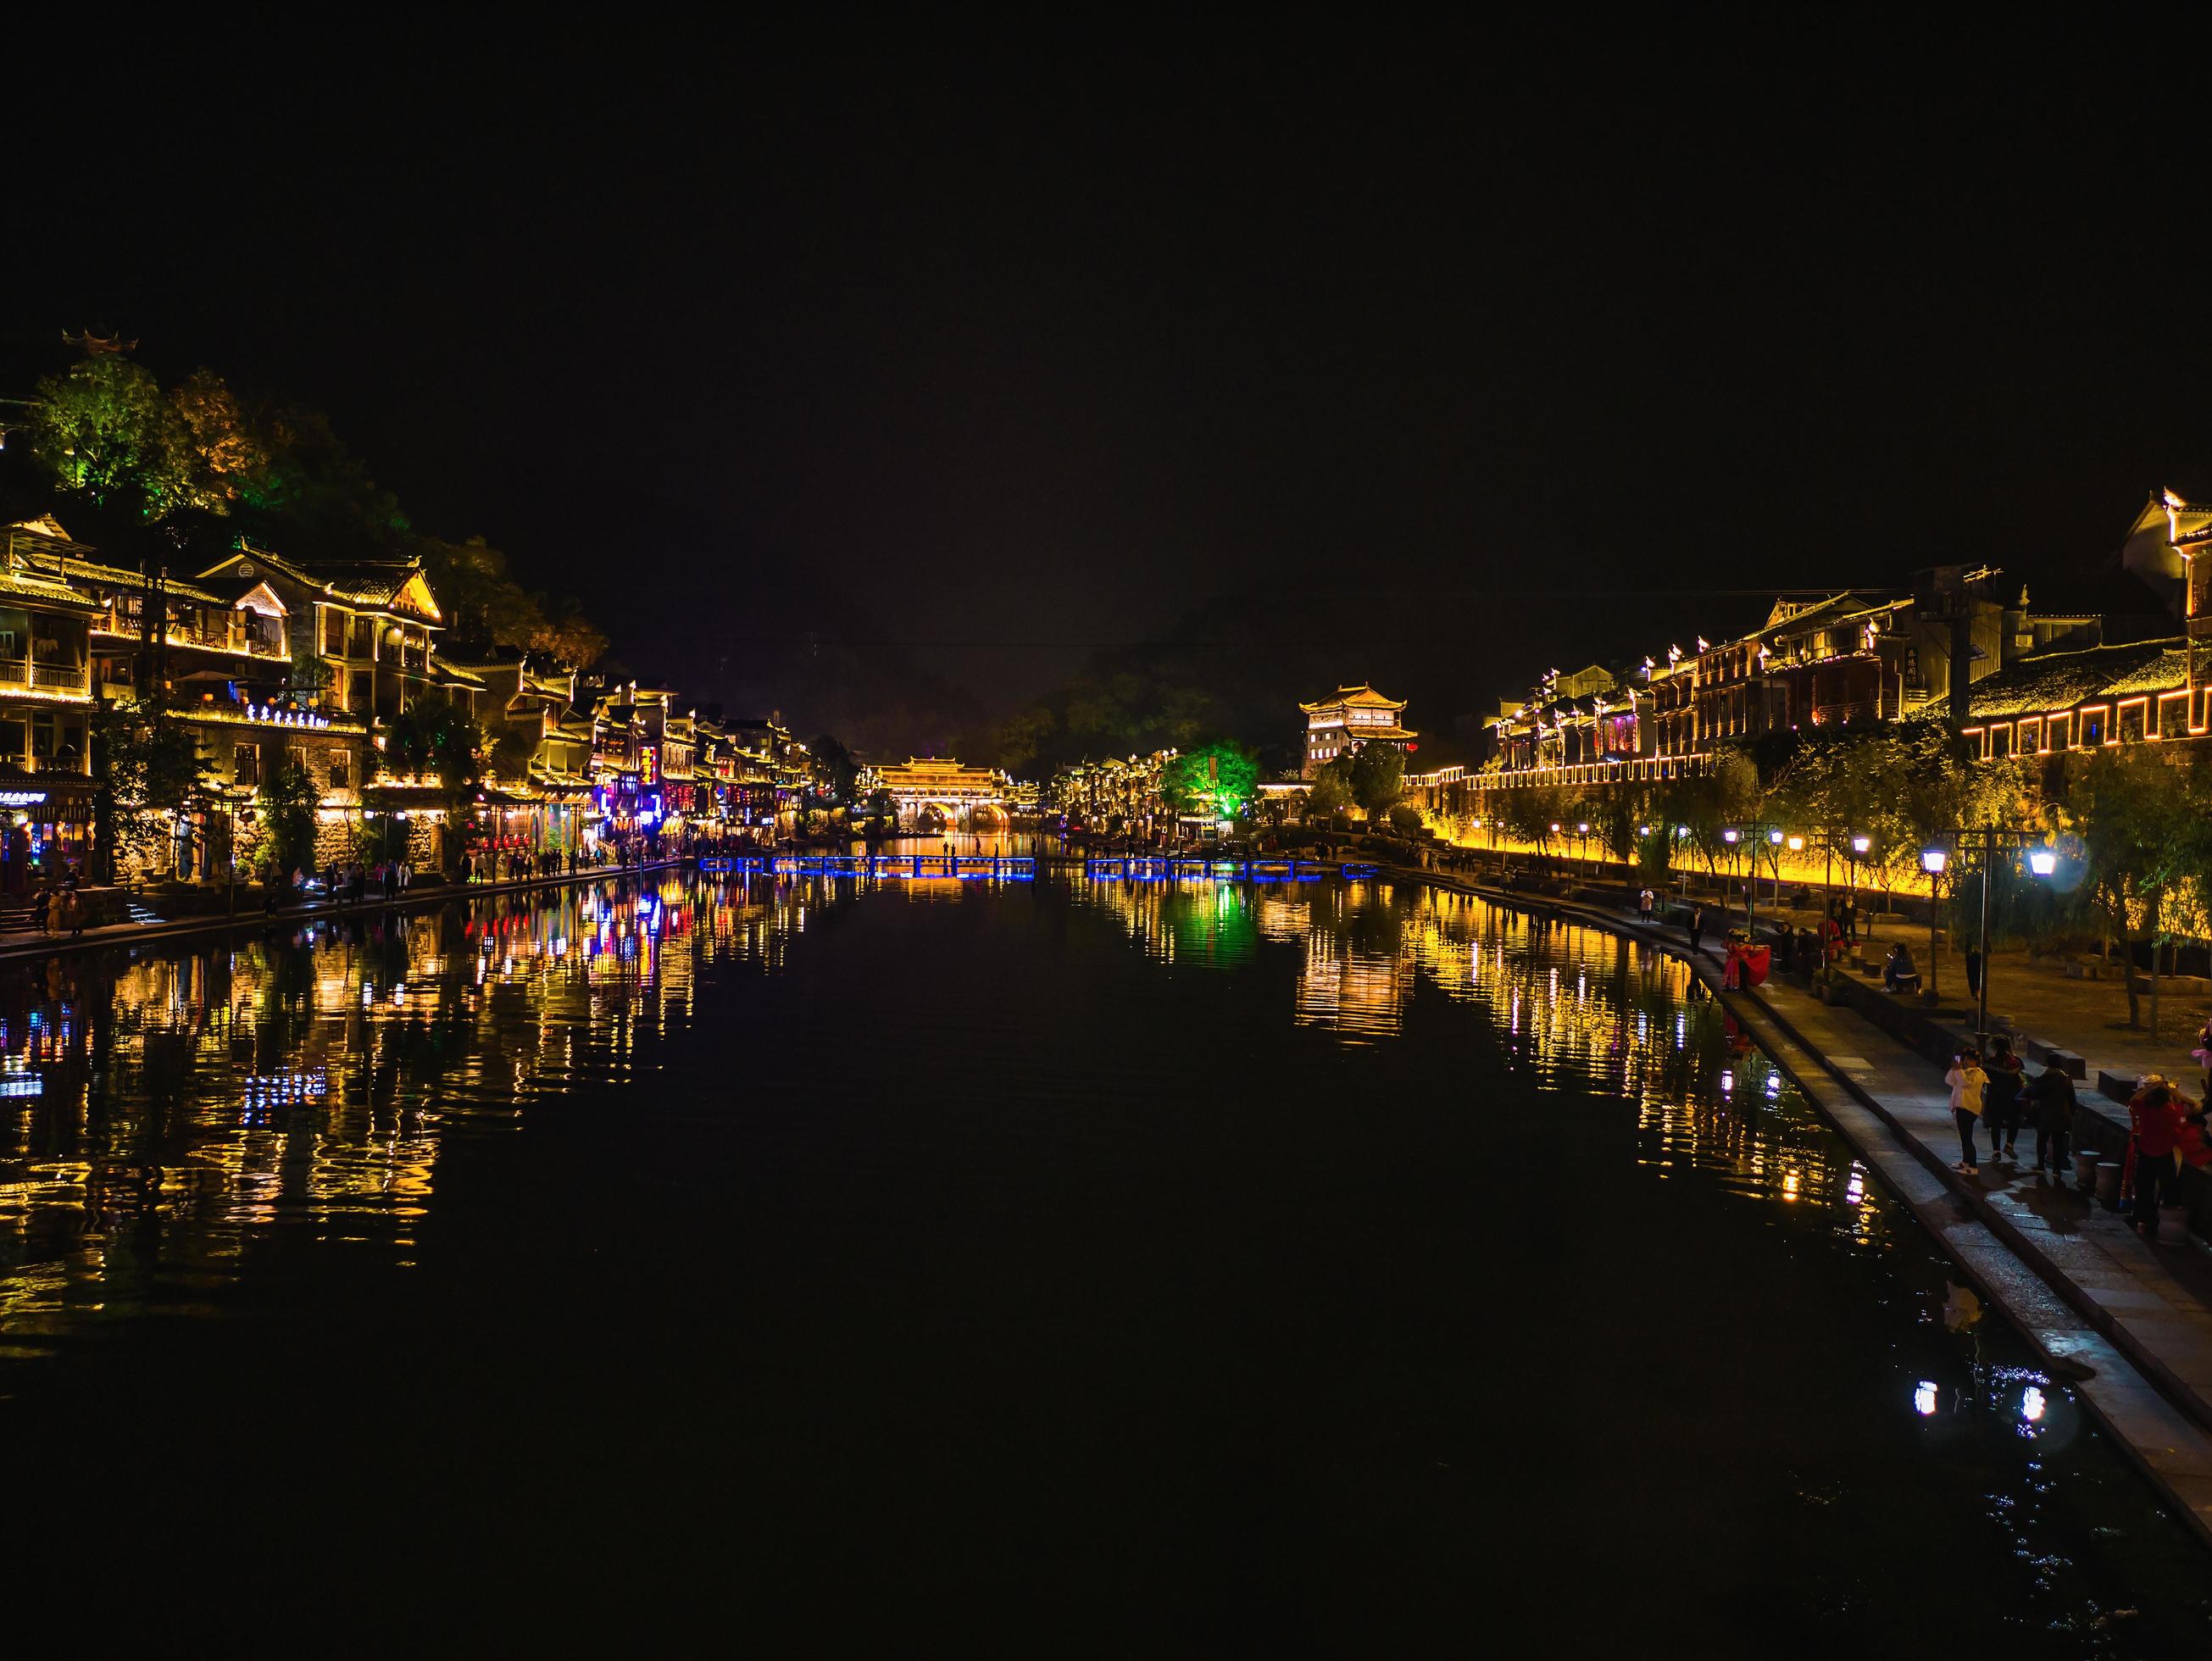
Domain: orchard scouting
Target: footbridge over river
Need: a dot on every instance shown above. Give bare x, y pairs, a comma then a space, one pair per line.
1022, 867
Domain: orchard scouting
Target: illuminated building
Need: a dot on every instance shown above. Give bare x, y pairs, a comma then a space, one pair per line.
919, 787
1113, 794
1352, 717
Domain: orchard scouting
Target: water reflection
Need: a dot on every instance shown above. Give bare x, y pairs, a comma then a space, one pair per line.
163, 1119
155, 1112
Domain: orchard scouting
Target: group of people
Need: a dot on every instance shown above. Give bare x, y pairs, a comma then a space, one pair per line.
57, 908
1997, 1094
515, 865
2165, 1129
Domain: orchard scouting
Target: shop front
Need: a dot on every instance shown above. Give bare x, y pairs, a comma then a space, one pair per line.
48, 820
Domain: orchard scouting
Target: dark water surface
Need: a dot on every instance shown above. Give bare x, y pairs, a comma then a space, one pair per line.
1127, 1270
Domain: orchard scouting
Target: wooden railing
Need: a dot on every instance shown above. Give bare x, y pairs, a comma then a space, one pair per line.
14, 673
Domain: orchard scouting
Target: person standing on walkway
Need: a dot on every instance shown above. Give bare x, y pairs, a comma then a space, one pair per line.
1643, 906
2156, 1117
1851, 918
2203, 1054
2002, 1105
1697, 929
1967, 1081
2053, 1092
1973, 971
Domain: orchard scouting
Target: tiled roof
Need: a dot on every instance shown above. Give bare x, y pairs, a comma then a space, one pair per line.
68, 569
2059, 680
1362, 697
43, 591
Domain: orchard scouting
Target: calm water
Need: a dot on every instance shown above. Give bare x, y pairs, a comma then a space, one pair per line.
1129, 1269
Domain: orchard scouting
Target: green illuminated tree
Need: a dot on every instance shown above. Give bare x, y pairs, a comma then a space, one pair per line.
1218, 778
106, 429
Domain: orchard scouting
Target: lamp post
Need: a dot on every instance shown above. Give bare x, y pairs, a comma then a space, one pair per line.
1750, 835
1984, 843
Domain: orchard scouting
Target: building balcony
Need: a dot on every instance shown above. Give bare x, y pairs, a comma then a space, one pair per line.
223, 635
61, 680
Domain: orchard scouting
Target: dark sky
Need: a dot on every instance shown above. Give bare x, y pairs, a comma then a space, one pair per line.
1027, 353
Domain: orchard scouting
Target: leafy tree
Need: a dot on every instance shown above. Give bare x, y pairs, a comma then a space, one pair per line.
569, 637
1218, 778
834, 769
289, 798
1406, 819
2142, 824
104, 428
1329, 794
146, 766
1378, 775
480, 598
1614, 812
507, 750
1530, 814
1019, 741
431, 738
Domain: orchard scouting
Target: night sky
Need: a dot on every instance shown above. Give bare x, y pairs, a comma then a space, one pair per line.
985, 361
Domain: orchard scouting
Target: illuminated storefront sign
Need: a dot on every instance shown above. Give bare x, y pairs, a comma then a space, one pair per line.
22, 798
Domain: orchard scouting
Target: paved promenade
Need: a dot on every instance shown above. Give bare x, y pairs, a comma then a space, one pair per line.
2127, 1322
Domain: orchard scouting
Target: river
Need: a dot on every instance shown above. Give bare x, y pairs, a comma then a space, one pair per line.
1052, 1268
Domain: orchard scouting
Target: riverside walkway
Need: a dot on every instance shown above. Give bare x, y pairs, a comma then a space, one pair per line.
2127, 1323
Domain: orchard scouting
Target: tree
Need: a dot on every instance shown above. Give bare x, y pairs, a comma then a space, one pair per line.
1530, 814
1378, 775
834, 769
146, 767
431, 739
569, 637
480, 598
2142, 824
507, 750
1329, 794
1406, 819
1218, 778
104, 429
288, 798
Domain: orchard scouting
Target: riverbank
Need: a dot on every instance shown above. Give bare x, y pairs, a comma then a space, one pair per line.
251, 917
2127, 1322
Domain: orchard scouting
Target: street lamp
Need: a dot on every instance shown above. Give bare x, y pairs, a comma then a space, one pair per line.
2041, 861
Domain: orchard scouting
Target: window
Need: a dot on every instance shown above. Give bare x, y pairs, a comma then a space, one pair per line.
245, 764
2131, 720
11, 739
1999, 743
2092, 726
357, 690
2058, 733
42, 737
364, 638
334, 632
341, 770
2173, 717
